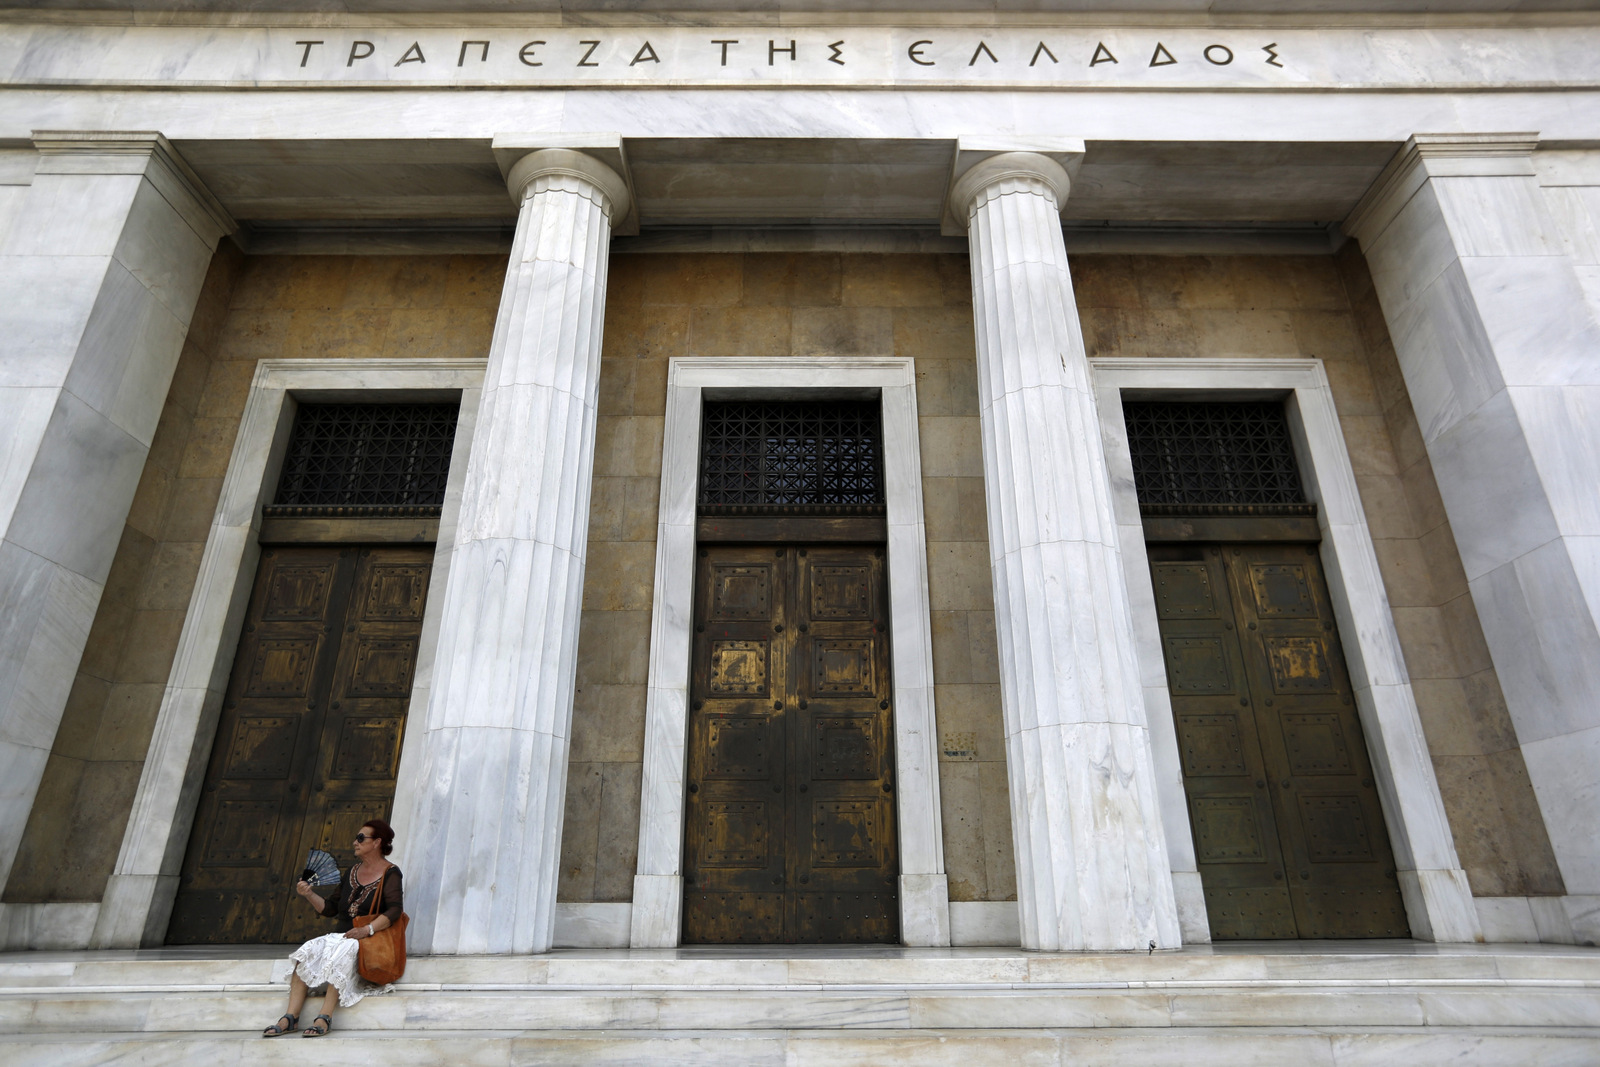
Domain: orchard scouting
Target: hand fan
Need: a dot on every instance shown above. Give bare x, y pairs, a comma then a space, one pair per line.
321, 869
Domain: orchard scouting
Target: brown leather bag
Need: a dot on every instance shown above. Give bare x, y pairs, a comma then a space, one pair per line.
381, 958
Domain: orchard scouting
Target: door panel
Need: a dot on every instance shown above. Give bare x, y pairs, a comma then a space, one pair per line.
1287, 828
309, 739
790, 832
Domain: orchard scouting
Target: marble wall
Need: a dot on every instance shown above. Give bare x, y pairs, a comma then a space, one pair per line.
250, 308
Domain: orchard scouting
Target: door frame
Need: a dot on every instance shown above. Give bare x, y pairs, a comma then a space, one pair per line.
657, 914
143, 885
1438, 900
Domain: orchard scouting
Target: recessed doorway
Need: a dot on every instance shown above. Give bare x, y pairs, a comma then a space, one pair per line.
790, 832
1288, 831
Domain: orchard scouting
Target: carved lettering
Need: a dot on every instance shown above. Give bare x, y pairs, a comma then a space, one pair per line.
583, 60
645, 54
354, 55
307, 53
1042, 50
982, 50
834, 58
1161, 57
1102, 54
526, 54
412, 55
915, 52
1272, 54
725, 45
773, 50
1222, 50
461, 60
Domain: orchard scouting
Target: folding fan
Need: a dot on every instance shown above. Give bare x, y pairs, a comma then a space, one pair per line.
321, 869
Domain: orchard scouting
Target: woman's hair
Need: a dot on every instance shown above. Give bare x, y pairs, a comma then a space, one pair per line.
383, 832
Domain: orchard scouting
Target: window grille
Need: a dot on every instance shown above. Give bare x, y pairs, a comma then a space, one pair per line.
366, 460
1210, 456
791, 457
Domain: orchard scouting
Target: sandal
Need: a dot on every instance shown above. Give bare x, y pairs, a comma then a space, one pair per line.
316, 1029
278, 1031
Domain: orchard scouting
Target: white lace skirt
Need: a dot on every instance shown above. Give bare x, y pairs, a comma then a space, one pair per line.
331, 960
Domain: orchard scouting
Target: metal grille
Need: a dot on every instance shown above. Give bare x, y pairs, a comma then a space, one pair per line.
366, 459
1190, 455
791, 457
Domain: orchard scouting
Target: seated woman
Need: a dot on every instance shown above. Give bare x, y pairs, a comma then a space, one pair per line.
331, 959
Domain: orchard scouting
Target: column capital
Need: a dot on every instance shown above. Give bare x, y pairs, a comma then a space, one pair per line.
141, 152
981, 162
598, 159
1438, 155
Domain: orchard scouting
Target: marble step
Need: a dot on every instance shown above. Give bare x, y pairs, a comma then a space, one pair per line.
173, 991
1105, 1047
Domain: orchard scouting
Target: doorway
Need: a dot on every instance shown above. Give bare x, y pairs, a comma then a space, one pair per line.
1288, 832
309, 740
790, 831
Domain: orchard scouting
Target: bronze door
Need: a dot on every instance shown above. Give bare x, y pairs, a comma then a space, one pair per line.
790, 832
309, 738
1287, 827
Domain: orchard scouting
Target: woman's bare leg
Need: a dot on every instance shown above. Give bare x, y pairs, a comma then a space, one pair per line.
297, 994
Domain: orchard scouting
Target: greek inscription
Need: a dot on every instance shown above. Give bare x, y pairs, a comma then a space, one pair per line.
922, 53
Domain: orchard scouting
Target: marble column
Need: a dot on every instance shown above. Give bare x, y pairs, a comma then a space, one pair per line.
1501, 355
1092, 868
485, 846
100, 271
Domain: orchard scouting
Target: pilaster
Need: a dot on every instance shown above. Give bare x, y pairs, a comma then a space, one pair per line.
487, 833
1092, 868
99, 275
1497, 345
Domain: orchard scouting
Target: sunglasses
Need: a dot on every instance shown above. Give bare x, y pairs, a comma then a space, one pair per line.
365, 837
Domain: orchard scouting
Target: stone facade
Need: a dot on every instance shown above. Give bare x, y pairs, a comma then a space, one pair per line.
765, 304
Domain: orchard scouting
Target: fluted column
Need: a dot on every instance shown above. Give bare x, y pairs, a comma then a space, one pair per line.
483, 860
1092, 870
